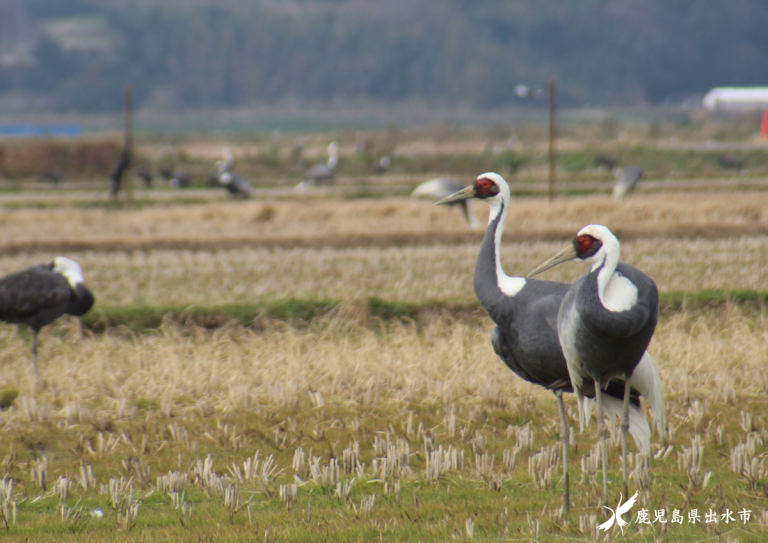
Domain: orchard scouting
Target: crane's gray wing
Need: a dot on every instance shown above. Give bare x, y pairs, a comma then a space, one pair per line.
26, 293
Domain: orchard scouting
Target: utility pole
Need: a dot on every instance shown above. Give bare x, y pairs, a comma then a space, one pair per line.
552, 138
124, 161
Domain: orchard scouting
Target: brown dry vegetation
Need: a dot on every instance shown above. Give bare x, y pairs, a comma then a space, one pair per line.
82, 158
405, 274
138, 406
673, 214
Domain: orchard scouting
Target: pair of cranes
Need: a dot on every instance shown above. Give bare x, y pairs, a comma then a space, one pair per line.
589, 338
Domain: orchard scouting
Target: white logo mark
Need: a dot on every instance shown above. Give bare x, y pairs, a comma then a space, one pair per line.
616, 515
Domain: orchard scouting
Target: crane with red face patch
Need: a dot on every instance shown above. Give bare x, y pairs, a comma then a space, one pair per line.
605, 323
525, 313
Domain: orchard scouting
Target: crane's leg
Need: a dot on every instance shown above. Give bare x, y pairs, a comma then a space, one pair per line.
603, 433
566, 443
35, 331
624, 432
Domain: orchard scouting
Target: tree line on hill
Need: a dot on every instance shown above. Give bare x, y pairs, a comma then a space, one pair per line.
229, 53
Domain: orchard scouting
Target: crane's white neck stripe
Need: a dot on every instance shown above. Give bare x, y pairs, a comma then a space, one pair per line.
70, 270
508, 285
617, 293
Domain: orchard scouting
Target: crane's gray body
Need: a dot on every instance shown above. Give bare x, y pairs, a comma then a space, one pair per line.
526, 337
608, 343
320, 174
37, 296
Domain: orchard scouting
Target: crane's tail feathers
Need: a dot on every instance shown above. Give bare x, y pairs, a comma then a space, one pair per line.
613, 408
645, 379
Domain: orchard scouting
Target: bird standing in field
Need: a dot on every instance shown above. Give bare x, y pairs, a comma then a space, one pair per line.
237, 185
440, 189
525, 313
605, 324
324, 172
40, 294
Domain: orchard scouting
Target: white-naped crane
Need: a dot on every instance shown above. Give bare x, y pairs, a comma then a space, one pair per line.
179, 179
38, 295
440, 189
627, 179
605, 323
237, 186
525, 312
382, 164
323, 173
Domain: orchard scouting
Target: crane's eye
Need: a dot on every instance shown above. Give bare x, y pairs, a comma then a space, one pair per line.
586, 245
485, 188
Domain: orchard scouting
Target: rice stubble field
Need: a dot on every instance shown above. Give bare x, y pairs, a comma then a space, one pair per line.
355, 427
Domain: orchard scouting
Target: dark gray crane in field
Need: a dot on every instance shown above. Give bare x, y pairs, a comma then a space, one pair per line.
440, 189
38, 295
116, 179
525, 312
323, 173
178, 178
54, 176
605, 323
382, 165
145, 174
626, 181
237, 186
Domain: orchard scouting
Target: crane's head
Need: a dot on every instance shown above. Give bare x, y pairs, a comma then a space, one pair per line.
591, 245
69, 269
488, 186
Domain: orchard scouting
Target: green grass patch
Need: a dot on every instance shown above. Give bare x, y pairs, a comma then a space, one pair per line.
142, 317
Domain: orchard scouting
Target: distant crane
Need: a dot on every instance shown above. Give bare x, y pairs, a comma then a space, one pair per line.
236, 185
116, 179
54, 176
38, 295
605, 324
145, 174
731, 162
525, 312
324, 172
440, 189
382, 165
177, 178
607, 161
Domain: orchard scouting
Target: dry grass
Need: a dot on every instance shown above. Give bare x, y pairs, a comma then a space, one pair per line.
348, 362
530, 218
407, 274
136, 407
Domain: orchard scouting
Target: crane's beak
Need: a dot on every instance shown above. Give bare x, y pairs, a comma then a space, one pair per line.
463, 194
569, 253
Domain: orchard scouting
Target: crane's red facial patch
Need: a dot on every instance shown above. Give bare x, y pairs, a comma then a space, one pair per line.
586, 245
485, 188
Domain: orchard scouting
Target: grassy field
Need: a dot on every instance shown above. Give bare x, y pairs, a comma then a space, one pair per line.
349, 392
325, 433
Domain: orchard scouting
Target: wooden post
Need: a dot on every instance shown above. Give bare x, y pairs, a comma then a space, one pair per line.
128, 138
552, 137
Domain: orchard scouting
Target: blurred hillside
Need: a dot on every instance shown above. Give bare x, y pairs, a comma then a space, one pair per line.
77, 55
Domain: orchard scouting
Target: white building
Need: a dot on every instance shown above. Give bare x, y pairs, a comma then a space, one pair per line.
736, 98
